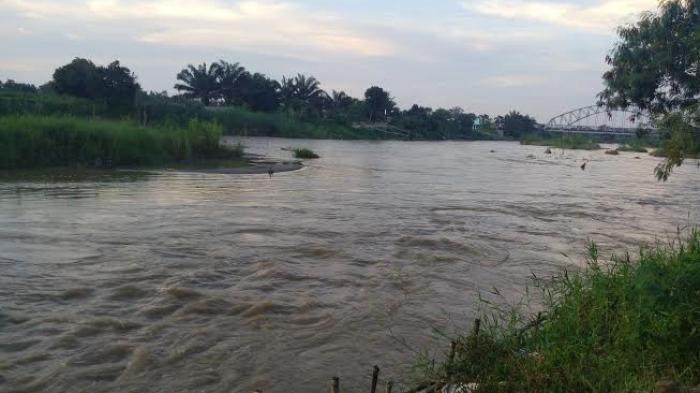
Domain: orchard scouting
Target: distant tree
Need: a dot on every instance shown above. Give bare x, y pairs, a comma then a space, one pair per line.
48, 88
113, 85
119, 87
516, 124
444, 123
229, 78
340, 101
417, 119
200, 82
11, 85
341, 106
378, 103
464, 121
655, 67
259, 92
79, 78
301, 92
307, 89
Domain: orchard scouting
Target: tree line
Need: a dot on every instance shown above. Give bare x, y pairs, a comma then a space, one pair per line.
226, 84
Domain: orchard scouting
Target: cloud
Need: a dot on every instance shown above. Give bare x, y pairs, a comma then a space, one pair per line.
511, 81
270, 27
601, 17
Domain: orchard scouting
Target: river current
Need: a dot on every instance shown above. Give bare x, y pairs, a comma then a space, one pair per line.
176, 281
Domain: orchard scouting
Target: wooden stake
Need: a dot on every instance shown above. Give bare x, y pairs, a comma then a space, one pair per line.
375, 377
335, 385
389, 385
477, 325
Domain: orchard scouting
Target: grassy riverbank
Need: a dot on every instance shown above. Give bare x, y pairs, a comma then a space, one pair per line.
561, 141
52, 141
241, 121
622, 326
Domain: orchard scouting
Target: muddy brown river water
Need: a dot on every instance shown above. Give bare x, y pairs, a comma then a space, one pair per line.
193, 282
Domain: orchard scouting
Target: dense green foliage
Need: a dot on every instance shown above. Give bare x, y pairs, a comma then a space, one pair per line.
34, 141
305, 153
655, 67
378, 104
635, 145
561, 141
246, 103
113, 86
244, 122
621, 326
17, 103
681, 140
12, 86
426, 123
516, 124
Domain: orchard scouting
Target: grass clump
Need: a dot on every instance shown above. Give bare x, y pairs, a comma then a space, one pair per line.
50, 141
636, 146
622, 326
578, 142
304, 153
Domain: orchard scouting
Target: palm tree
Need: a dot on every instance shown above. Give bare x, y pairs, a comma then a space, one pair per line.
229, 78
302, 90
288, 91
308, 88
199, 82
340, 101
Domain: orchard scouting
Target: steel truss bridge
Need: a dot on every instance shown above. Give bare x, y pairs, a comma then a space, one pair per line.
599, 120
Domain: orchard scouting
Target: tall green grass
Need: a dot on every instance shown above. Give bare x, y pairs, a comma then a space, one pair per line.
43, 141
636, 145
621, 326
241, 121
159, 111
561, 141
17, 103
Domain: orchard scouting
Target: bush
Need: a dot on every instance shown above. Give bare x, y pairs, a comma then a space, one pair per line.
636, 145
616, 327
305, 153
241, 121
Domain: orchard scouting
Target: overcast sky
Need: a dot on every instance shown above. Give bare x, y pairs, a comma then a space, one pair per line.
487, 56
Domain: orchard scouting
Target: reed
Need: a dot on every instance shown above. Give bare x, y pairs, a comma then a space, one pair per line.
49, 141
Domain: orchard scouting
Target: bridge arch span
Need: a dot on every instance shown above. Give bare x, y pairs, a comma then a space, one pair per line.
570, 119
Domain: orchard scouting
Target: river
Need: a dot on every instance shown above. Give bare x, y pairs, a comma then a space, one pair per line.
201, 282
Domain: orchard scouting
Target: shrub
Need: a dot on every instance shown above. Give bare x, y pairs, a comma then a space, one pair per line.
305, 153
621, 326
